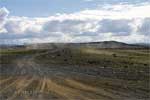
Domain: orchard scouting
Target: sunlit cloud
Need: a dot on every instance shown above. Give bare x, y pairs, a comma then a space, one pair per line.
122, 22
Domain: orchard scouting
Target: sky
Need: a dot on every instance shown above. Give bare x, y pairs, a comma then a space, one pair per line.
40, 21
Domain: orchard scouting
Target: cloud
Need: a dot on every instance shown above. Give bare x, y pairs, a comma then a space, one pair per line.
70, 27
117, 27
126, 23
119, 11
88, 0
145, 27
3, 14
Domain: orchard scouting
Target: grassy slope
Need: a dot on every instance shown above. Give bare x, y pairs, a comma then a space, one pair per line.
131, 67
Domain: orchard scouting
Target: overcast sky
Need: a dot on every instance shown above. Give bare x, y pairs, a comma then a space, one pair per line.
38, 21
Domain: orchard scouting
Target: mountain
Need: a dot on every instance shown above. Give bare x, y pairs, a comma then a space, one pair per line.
113, 44
101, 45
144, 44
12, 46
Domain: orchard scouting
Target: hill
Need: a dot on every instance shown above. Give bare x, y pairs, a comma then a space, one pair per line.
101, 45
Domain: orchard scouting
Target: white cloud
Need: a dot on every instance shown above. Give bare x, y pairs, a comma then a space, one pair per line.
88, 0
126, 23
70, 27
19, 25
119, 11
144, 28
3, 14
117, 27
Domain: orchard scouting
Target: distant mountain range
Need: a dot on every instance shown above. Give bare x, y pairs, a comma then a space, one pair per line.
103, 45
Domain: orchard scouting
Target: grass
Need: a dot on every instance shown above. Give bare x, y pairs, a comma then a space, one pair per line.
101, 73
130, 65
19, 51
8, 56
105, 58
